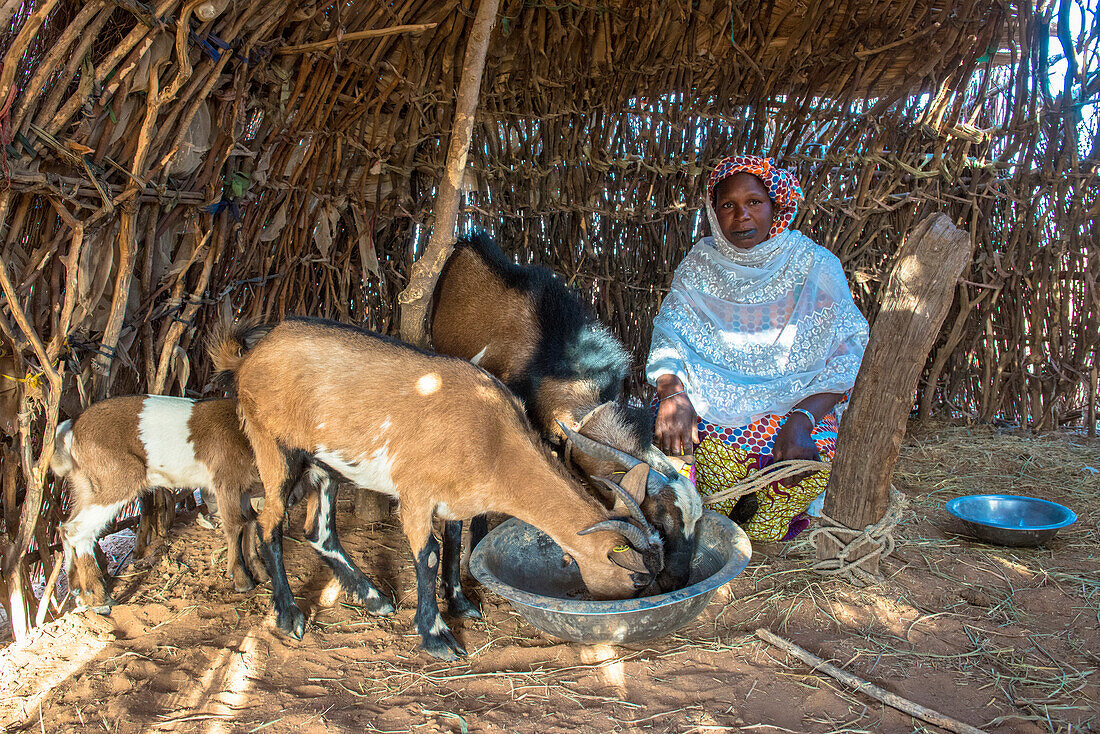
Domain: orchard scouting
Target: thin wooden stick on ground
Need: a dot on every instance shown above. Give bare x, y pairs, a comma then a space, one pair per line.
890, 699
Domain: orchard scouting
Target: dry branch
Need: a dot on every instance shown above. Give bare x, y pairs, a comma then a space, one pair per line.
426, 270
355, 36
858, 684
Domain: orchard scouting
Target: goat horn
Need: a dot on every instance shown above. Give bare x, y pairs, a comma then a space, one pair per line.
656, 480
657, 459
598, 450
631, 505
662, 472
634, 535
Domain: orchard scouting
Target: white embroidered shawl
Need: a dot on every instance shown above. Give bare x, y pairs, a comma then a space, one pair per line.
753, 332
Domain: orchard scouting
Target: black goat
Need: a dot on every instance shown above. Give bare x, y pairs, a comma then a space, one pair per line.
523, 325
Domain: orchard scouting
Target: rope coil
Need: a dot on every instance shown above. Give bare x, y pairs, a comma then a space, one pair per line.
880, 538
759, 480
874, 542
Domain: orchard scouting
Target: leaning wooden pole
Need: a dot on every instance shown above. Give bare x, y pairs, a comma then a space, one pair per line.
425, 271
914, 304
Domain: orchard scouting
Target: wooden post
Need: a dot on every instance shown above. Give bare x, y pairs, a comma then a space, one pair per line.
417, 295
915, 302
103, 365
1091, 410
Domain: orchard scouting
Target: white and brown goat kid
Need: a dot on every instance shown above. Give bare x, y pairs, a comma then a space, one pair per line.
527, 328
121, 448
439, 434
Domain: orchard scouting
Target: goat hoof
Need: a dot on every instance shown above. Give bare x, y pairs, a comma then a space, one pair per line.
463, 609
292, 622
243, 580
101, 605
381, 607
375, 603
443, 646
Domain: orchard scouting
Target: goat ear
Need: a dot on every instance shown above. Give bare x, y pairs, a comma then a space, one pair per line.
626, 557
635, 482
619, 505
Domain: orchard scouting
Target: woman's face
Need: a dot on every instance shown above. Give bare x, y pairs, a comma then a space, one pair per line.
744, 210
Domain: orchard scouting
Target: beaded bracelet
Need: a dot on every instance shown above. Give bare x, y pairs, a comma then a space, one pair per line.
666, 397
808, 414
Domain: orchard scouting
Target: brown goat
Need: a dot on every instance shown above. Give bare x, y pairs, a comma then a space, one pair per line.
439, 434
121, 448
524, 326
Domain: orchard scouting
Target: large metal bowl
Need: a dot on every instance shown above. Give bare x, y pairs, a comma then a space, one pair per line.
1004, 519
522, 564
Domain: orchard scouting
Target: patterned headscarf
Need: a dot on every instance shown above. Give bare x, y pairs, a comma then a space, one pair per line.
783, 188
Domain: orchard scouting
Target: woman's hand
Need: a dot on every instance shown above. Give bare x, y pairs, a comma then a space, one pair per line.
793, 440
676, 431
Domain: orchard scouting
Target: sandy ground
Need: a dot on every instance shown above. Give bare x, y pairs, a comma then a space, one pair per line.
1002, 639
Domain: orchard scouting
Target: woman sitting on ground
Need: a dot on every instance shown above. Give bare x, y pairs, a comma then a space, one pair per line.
755, 349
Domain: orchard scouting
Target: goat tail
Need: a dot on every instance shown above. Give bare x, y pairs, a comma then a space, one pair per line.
230, 342
62, 462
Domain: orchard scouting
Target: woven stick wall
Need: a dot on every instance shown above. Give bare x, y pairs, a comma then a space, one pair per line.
167, 166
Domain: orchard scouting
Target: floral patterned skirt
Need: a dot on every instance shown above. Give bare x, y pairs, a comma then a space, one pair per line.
726, 456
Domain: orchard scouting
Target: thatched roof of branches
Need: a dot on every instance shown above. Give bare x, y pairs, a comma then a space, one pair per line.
166, 165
